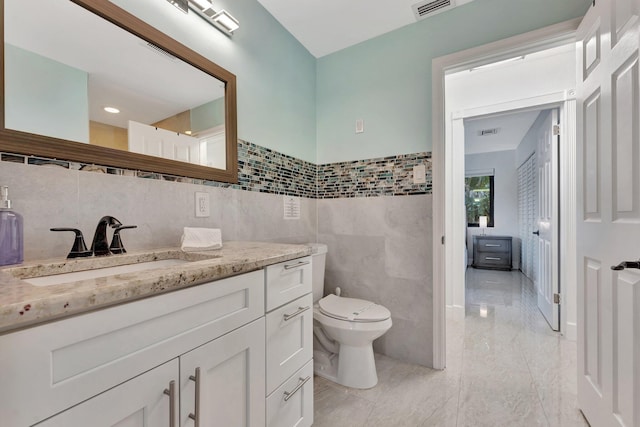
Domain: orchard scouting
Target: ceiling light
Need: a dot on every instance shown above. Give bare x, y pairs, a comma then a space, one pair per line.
493, 64
112, 110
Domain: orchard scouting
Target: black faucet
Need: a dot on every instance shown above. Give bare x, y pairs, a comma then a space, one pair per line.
79, 248
100, 245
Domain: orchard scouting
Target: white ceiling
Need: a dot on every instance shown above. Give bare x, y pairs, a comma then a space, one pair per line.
512, 127
326, 26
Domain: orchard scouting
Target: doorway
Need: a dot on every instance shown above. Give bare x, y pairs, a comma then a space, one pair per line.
449, 221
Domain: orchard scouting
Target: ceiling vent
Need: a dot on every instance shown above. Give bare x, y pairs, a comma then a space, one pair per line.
487, 132
428, 8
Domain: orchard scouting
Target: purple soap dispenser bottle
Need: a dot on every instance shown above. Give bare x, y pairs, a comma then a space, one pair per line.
11, 246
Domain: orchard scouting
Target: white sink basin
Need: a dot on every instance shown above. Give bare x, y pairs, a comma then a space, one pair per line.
57, 279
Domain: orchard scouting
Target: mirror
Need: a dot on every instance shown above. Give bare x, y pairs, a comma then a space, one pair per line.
177, 109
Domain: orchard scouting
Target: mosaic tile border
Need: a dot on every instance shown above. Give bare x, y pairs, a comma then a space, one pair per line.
384, 176
267, 171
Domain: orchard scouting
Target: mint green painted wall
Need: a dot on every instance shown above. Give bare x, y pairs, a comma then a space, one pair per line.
387, 80
207, 116
45, 97
276, 74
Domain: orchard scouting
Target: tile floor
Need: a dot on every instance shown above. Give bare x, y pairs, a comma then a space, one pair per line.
505, 367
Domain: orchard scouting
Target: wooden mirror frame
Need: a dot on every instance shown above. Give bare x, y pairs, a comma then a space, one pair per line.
13, 141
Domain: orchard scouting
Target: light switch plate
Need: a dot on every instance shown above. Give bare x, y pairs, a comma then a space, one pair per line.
419, 174
202, 205
359, 126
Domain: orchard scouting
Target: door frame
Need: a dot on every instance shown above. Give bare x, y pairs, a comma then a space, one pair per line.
443, 165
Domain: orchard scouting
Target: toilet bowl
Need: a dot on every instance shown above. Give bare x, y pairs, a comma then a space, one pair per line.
344, 331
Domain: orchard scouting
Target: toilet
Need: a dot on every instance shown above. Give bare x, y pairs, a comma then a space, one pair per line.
343, 331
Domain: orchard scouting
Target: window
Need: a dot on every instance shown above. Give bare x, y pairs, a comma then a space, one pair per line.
479, 199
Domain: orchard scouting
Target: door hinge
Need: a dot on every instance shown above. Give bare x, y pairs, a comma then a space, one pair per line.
556, 298
556, 130
442, 240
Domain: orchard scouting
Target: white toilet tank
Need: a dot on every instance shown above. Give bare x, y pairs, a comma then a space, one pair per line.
318, 255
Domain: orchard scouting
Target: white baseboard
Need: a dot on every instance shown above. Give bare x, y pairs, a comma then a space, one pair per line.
571, 332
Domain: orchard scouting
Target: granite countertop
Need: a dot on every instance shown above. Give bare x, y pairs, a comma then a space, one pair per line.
23, 304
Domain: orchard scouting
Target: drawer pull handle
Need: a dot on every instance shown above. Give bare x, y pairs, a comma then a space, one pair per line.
493, 258
492, 245
171, 392
296, 265
300, 310
301, 382
195, 415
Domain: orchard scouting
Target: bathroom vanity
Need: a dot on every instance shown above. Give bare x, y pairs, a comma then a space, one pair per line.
224, 340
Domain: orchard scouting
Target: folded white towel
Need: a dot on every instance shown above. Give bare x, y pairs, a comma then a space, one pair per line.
201, 239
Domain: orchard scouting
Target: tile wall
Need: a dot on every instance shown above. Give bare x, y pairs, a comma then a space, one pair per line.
376, 222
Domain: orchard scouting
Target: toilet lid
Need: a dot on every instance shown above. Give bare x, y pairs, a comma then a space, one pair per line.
352, 309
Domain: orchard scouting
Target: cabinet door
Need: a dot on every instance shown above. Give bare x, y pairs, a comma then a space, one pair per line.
139, 402
222, 383
291, 405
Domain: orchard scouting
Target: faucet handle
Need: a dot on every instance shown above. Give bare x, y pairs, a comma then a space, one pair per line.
79, 248
116, 246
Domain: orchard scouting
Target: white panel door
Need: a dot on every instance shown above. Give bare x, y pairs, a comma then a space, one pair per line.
139, 402
222, 383
547, 278
153, 141
608, 226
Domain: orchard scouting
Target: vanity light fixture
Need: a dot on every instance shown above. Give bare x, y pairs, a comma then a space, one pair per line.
112, 110
222, 20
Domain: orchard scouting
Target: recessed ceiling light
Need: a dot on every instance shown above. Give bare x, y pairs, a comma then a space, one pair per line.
112, 110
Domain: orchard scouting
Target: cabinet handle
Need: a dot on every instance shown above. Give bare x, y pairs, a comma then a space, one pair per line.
301, 310
493, 258
297, 264
492, 245
195, 415
171, 392
301, 382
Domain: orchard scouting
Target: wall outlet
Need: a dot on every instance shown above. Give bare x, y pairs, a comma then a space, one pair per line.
202, 205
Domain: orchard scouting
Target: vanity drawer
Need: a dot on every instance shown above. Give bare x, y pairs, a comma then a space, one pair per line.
297, 409
289, 340
287, 281
49, 368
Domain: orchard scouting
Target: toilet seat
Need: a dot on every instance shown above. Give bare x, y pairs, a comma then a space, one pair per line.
352, 309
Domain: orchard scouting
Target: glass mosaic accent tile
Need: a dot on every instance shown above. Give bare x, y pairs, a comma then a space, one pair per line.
267, 171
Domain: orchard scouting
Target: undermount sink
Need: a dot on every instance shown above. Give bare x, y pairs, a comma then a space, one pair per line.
74, 270
58, 279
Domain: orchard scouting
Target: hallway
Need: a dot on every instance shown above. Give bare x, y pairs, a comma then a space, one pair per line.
505, 367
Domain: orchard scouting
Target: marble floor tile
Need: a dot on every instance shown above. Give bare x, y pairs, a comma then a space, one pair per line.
505, 367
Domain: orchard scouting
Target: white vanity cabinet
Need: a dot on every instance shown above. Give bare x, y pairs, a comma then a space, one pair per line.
48, 369
289, 344
217, 384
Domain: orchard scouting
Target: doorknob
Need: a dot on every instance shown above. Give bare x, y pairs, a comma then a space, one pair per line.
537, 232
626, 264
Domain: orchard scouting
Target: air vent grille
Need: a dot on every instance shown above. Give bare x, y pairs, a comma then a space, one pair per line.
161, 51
423, 9
487, 132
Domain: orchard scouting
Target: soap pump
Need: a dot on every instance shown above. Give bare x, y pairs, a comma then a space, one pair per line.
11, 227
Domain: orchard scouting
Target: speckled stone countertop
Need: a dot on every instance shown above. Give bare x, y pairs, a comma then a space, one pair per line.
23, 304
